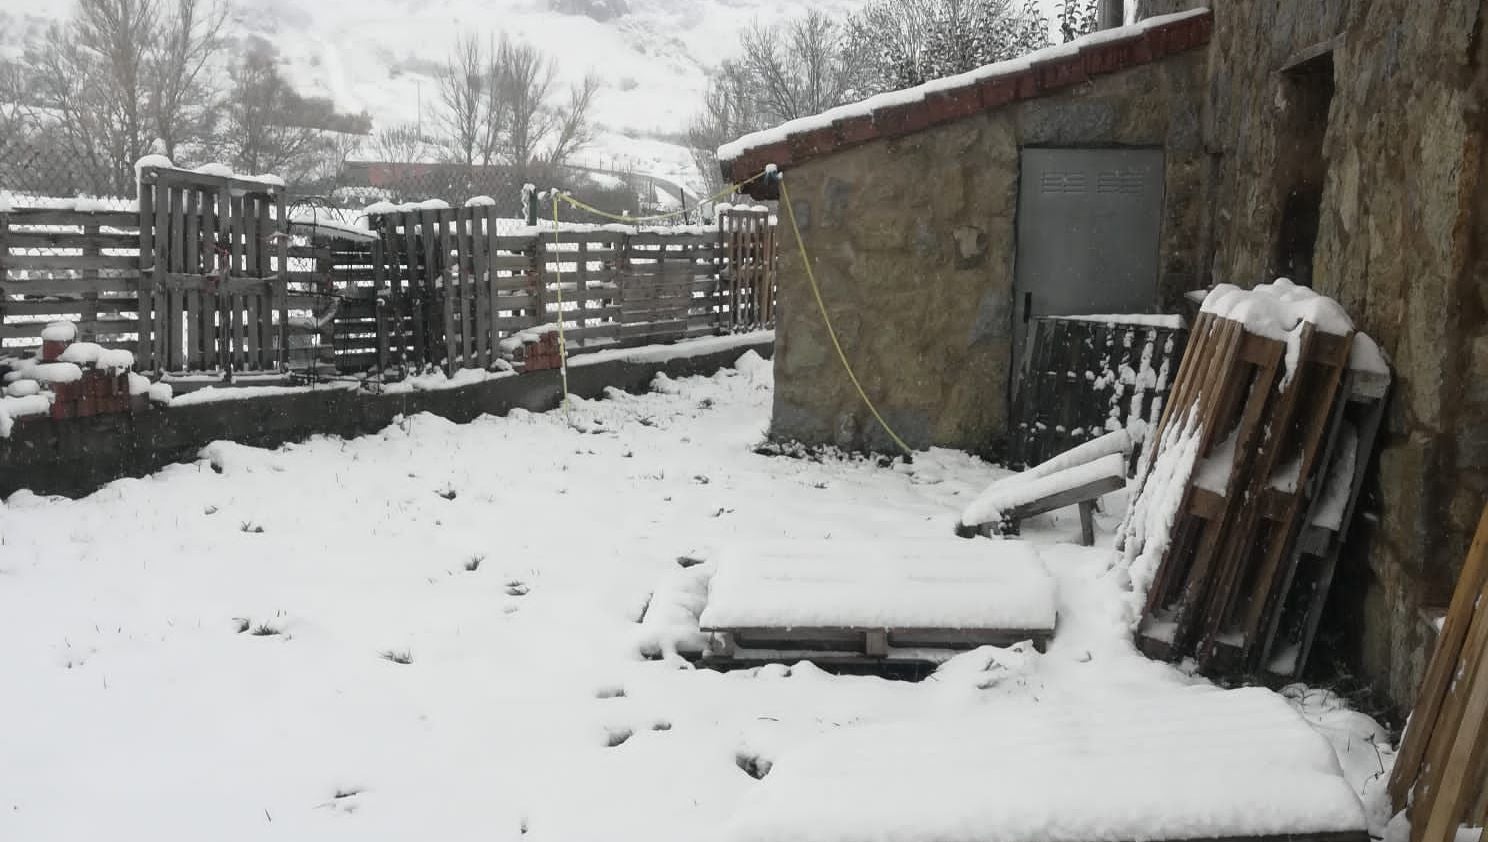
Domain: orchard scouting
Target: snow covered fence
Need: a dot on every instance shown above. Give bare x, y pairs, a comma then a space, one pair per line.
452, 283
73, 259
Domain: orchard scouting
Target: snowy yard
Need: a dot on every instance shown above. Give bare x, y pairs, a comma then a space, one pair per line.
216, 652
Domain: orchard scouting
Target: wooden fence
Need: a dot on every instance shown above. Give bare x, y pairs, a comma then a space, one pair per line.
64, 263
206, 276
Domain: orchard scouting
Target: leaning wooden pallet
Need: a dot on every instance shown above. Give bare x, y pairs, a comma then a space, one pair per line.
1244, 455
1439, 775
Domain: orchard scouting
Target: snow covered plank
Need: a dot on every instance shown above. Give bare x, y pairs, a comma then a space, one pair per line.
1192, 763
1064, 482
830, 594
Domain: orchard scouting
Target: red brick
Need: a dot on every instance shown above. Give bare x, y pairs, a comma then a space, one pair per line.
62, 410
1110, 56
138, 403
900, 120
856, 129
85, 407
52, 349
998, 91
1060, 73
813, 143
1027, 85
67, 392
953, 104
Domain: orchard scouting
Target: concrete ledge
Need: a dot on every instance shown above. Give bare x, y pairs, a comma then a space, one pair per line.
77, 456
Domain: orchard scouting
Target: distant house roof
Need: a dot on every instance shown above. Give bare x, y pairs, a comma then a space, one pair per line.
941, 101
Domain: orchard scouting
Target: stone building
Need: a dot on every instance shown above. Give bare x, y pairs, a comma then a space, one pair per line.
1339, 142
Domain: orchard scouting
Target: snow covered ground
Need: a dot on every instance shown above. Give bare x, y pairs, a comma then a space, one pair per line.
218, 651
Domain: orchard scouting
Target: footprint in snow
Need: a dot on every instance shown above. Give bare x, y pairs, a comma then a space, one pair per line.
615, 737
517, 588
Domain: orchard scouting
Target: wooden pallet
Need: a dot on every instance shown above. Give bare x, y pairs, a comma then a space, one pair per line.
856, 647
1244, 575
1441, 772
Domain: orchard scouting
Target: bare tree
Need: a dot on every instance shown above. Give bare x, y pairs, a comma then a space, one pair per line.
526, 77
402, 143
180, 95
728, 112
464, 87
262, 135
502, 105
122, 73
903, 43
570, 128
799, 68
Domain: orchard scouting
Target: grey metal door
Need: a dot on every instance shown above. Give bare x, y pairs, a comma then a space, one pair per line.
1088, 222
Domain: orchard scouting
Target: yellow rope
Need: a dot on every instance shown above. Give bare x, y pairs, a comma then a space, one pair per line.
790, 213
637, 220
562, 340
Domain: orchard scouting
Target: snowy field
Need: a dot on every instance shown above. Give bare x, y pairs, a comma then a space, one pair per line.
218, 651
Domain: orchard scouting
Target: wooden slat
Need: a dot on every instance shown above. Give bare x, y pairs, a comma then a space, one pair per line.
192, 263
465, 273
89, 238
46, 216
210, 303
75, 262
1442, 669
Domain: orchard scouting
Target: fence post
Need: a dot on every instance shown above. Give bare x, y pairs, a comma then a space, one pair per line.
280, 289
145, 358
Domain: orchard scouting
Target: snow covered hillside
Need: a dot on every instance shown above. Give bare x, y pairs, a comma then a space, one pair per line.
383, 55
432, 633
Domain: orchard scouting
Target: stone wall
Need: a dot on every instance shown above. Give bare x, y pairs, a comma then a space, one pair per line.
912, 241
1402, 242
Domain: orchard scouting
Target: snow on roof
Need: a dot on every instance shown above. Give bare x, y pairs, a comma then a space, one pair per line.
1010, 70
330, 222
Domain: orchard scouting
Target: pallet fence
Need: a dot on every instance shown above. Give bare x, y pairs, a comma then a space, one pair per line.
206, 275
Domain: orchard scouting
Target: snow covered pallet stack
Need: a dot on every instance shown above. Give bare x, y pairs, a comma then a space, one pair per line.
1441, 772
1243, 503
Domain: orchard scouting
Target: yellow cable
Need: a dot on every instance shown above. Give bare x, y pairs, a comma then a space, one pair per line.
558, 273
637, 220
790, 213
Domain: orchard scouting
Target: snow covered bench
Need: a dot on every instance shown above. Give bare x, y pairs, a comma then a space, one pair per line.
1079, 476
862, 602
1187, 764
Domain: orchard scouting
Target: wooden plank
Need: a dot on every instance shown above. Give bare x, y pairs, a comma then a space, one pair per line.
210, 307
1443, 666
247, 305
484, 225
73, 262
465, 270
144, 357
32, 330
89, 238
73, 307
436, 250
281, 287
416, 289
1458, 742
192, 263
380, 285
24, 217
159, 300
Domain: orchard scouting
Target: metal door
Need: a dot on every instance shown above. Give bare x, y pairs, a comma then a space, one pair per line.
1088, 222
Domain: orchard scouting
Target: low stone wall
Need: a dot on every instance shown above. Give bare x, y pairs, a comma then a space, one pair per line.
76, 456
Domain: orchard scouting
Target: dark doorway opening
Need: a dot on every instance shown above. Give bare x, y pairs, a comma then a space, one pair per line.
1306, 93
